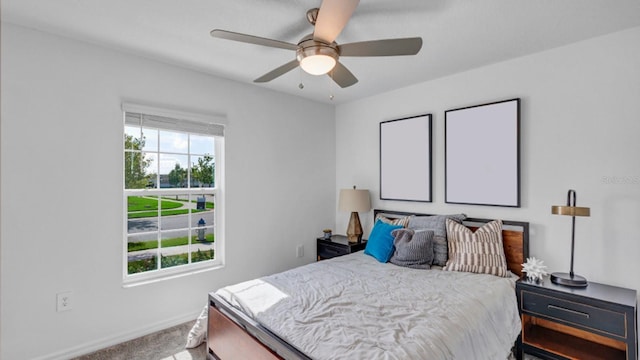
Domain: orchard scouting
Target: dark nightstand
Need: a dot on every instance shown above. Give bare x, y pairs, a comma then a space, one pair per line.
338, 245
559, 322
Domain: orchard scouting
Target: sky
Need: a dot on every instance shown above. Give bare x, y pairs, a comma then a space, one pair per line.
168, 148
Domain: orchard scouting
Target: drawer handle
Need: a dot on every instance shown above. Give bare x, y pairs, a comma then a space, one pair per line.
553, 307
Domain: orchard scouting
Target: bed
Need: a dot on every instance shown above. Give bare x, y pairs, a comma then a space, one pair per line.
355, 307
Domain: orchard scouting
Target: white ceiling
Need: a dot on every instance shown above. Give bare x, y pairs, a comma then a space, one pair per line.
457, 34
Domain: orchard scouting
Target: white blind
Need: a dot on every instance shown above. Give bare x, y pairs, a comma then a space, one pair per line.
153, 117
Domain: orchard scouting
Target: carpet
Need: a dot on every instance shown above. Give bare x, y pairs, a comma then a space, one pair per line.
166, 344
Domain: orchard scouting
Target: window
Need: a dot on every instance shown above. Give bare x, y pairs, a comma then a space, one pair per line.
173, 175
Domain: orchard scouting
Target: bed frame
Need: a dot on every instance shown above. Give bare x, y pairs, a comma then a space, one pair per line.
233, 335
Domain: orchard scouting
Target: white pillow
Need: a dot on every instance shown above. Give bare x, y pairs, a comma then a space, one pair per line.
198, 332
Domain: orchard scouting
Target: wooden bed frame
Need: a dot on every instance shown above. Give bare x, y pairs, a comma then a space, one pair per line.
234, 335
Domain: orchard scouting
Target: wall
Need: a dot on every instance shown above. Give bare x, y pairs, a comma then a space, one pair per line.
579, 126
61, 175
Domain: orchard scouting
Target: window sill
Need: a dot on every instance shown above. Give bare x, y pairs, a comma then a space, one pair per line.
167, 274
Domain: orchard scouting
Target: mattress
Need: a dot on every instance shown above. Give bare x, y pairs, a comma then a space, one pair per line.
353, 307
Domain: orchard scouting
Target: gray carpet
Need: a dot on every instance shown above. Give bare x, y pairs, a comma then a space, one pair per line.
164, 345
167, 344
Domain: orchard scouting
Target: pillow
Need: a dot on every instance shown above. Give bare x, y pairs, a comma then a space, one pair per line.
436, 223
480, 252
404, 221
380, 243
198, 333
414, 249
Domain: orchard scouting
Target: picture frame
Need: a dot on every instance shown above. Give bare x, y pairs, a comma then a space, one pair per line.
482, 154
405, 159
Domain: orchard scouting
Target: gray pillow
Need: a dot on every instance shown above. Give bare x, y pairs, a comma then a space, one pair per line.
438, 224
413, 249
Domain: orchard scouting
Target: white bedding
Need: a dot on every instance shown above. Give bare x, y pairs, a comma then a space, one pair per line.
353, 307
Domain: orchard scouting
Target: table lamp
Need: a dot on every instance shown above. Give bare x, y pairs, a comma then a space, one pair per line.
570, 279
354, 200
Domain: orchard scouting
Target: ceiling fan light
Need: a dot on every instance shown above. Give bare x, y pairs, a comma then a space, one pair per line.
317, 64
316, 58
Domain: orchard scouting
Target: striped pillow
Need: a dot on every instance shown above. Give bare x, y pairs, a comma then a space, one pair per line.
404, 221
480, 252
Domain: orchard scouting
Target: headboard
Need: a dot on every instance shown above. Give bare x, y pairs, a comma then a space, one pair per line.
515, 236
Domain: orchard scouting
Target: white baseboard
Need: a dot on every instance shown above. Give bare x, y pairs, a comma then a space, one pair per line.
100, 344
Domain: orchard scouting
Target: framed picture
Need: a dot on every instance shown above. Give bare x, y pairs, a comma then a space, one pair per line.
405, 159
482, 154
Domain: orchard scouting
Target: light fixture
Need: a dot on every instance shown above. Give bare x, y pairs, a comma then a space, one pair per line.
354, 200
570, 279
316, 58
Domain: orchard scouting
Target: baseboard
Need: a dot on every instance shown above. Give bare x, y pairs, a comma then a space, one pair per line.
93, 346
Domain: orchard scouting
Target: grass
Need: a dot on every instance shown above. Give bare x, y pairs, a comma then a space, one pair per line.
145, 214
144, 207
153, 244
169, 261
142, 203
209, 204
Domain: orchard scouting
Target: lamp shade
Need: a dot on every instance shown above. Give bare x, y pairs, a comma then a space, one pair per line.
354, 200
317, 64
570, 210
316, 58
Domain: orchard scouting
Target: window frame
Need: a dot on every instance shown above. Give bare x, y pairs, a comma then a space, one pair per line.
183, 119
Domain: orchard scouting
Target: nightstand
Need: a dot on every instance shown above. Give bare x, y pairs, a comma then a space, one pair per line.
595, 322
338, 245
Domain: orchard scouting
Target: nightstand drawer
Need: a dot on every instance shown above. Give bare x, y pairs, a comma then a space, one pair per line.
327, 251
600, 320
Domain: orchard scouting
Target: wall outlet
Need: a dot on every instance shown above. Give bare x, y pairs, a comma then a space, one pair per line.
64, 301
300, 251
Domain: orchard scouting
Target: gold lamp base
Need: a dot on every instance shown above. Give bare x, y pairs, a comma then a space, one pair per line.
354, 230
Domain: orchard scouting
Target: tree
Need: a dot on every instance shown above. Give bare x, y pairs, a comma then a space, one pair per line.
204, 171
134, 163
177, 176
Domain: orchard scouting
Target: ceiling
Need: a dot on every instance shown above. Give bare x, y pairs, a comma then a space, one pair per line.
457, 35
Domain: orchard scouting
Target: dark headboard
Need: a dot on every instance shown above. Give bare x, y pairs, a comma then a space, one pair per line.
515, 236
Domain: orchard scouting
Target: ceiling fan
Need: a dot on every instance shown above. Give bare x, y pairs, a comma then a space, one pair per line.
318, 53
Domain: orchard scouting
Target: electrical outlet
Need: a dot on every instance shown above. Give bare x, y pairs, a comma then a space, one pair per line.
64, 301
300, 251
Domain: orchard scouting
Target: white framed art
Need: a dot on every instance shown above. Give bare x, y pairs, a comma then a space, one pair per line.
482, 154
405, 159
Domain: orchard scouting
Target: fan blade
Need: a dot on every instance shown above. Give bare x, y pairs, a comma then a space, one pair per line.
387, 47
342, 76
277, 72
230, 35
332, 18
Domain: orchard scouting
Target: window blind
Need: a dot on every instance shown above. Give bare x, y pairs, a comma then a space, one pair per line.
152, 117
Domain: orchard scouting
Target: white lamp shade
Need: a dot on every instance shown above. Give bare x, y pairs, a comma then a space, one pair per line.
354, 200
318, 64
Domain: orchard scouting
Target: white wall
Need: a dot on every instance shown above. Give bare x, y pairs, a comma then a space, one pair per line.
61, 176
580, 121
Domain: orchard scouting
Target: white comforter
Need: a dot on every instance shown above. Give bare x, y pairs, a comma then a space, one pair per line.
354, 307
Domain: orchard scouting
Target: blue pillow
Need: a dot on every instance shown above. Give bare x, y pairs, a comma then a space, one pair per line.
380, 243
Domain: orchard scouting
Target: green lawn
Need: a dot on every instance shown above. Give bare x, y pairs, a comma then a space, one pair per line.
142, 207
209, 204
145, 214
169, 261
153, 244
142, 203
